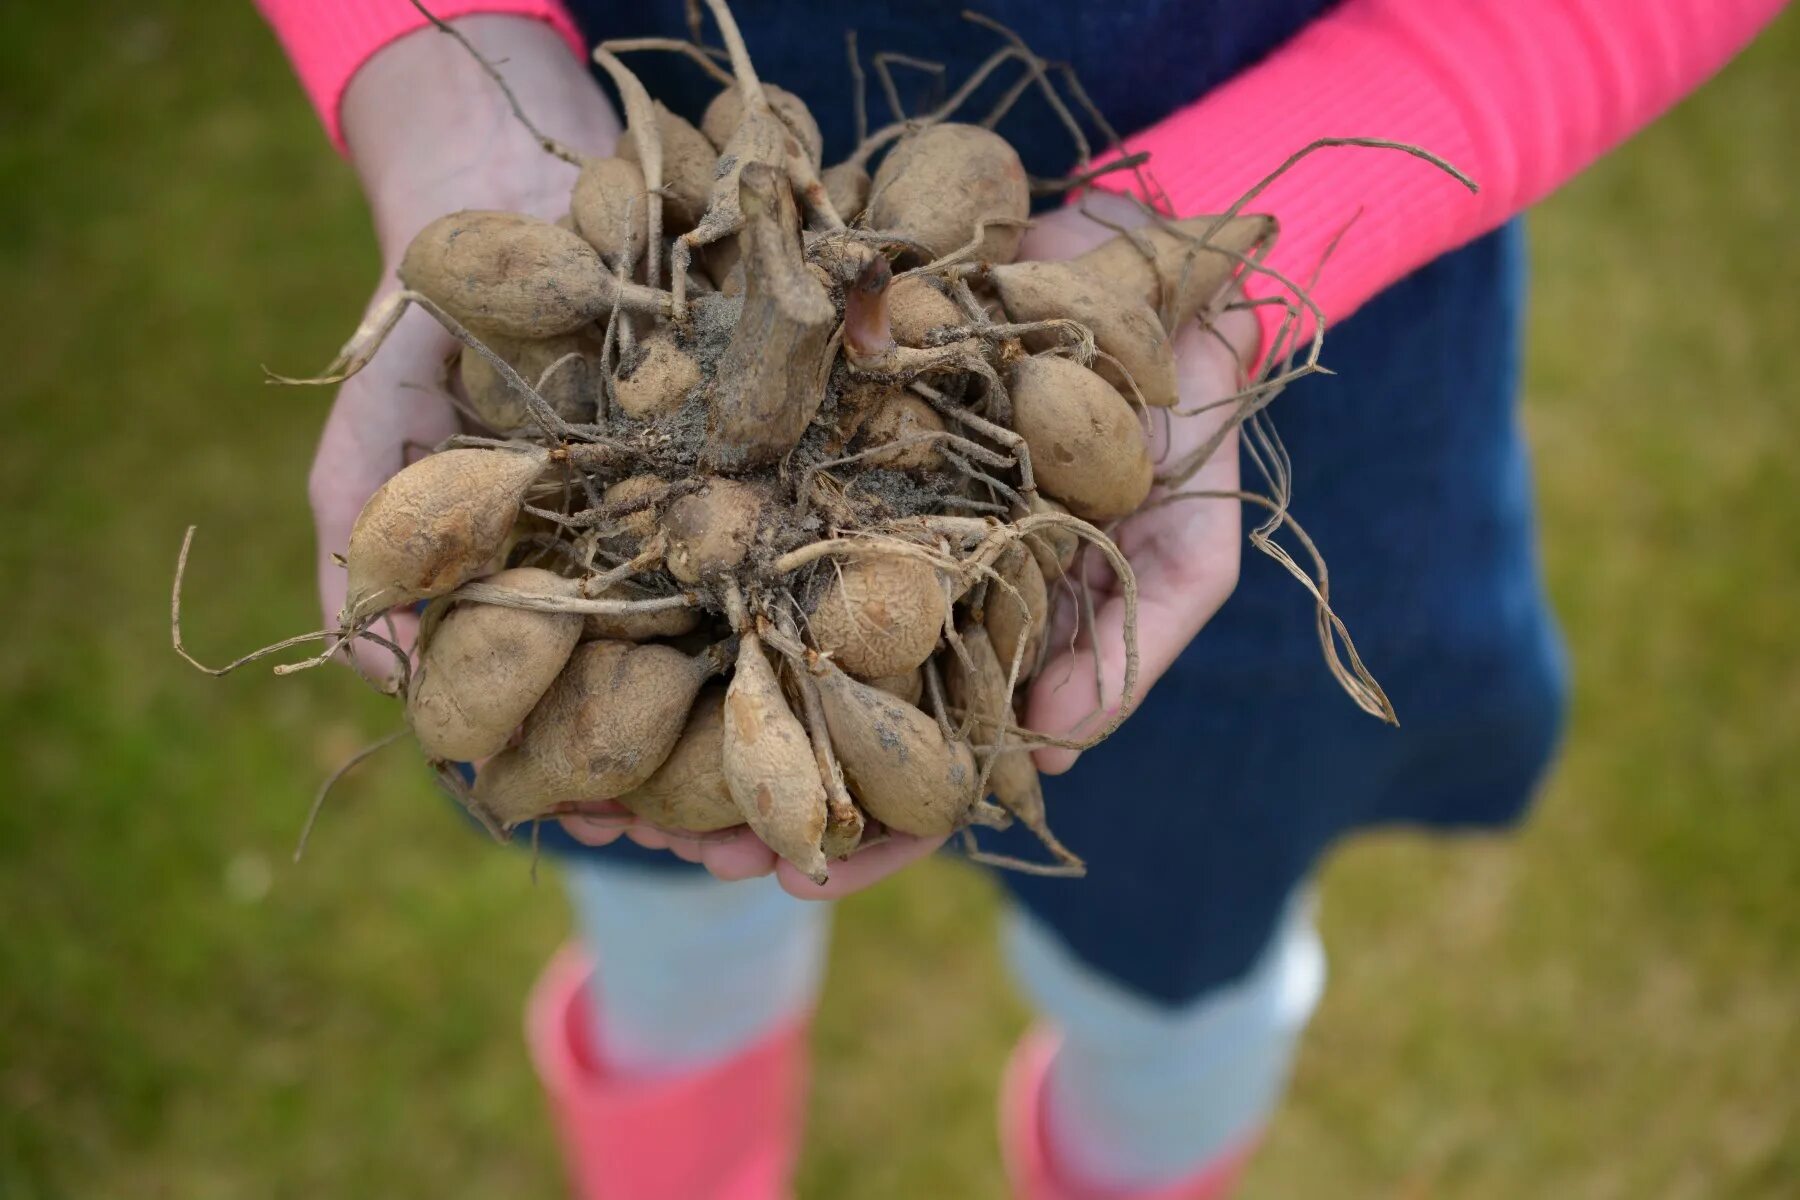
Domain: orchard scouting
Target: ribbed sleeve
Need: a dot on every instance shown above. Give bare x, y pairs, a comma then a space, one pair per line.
1519, 94
328, 40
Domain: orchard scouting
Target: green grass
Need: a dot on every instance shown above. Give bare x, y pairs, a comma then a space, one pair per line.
1602, 1007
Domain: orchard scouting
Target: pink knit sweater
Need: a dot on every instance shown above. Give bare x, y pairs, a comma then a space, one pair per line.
1519, 94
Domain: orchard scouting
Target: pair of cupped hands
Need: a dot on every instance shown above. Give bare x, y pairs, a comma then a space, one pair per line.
429, 133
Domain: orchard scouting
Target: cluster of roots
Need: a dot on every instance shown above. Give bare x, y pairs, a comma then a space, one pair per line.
775, 470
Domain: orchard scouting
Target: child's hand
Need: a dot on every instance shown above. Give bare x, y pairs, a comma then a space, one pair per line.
429, 133
1185, 554
740, 854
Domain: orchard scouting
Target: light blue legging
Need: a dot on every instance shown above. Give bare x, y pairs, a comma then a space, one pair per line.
692, 969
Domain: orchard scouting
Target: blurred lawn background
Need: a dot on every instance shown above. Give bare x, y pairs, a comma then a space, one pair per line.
1607, 1006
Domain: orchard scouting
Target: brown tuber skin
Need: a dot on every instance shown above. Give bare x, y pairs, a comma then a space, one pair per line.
434, 526
769, 765
659, 379
688, 159
602, 729
726, 113
860, 398
909, 687
637, 626
936, 185
570, 388
1011, 619
688, 792
901, 767
501, 272
610, 208
1185, 277
981, 694
848, 187
1087, 448
640, 523
879, 616
1054, 547
486, 667
917, 309
900, 417
1124, 328
710, 531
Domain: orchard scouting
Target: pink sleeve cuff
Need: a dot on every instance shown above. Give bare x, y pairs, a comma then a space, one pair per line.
1519, 94
329, 40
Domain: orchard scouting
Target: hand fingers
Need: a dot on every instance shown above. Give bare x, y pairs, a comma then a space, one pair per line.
860, 870
1065, 700
686, 849
737, 855
596, 823
741, 857
1186, 558
593, 830
1069, 231
648, 836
